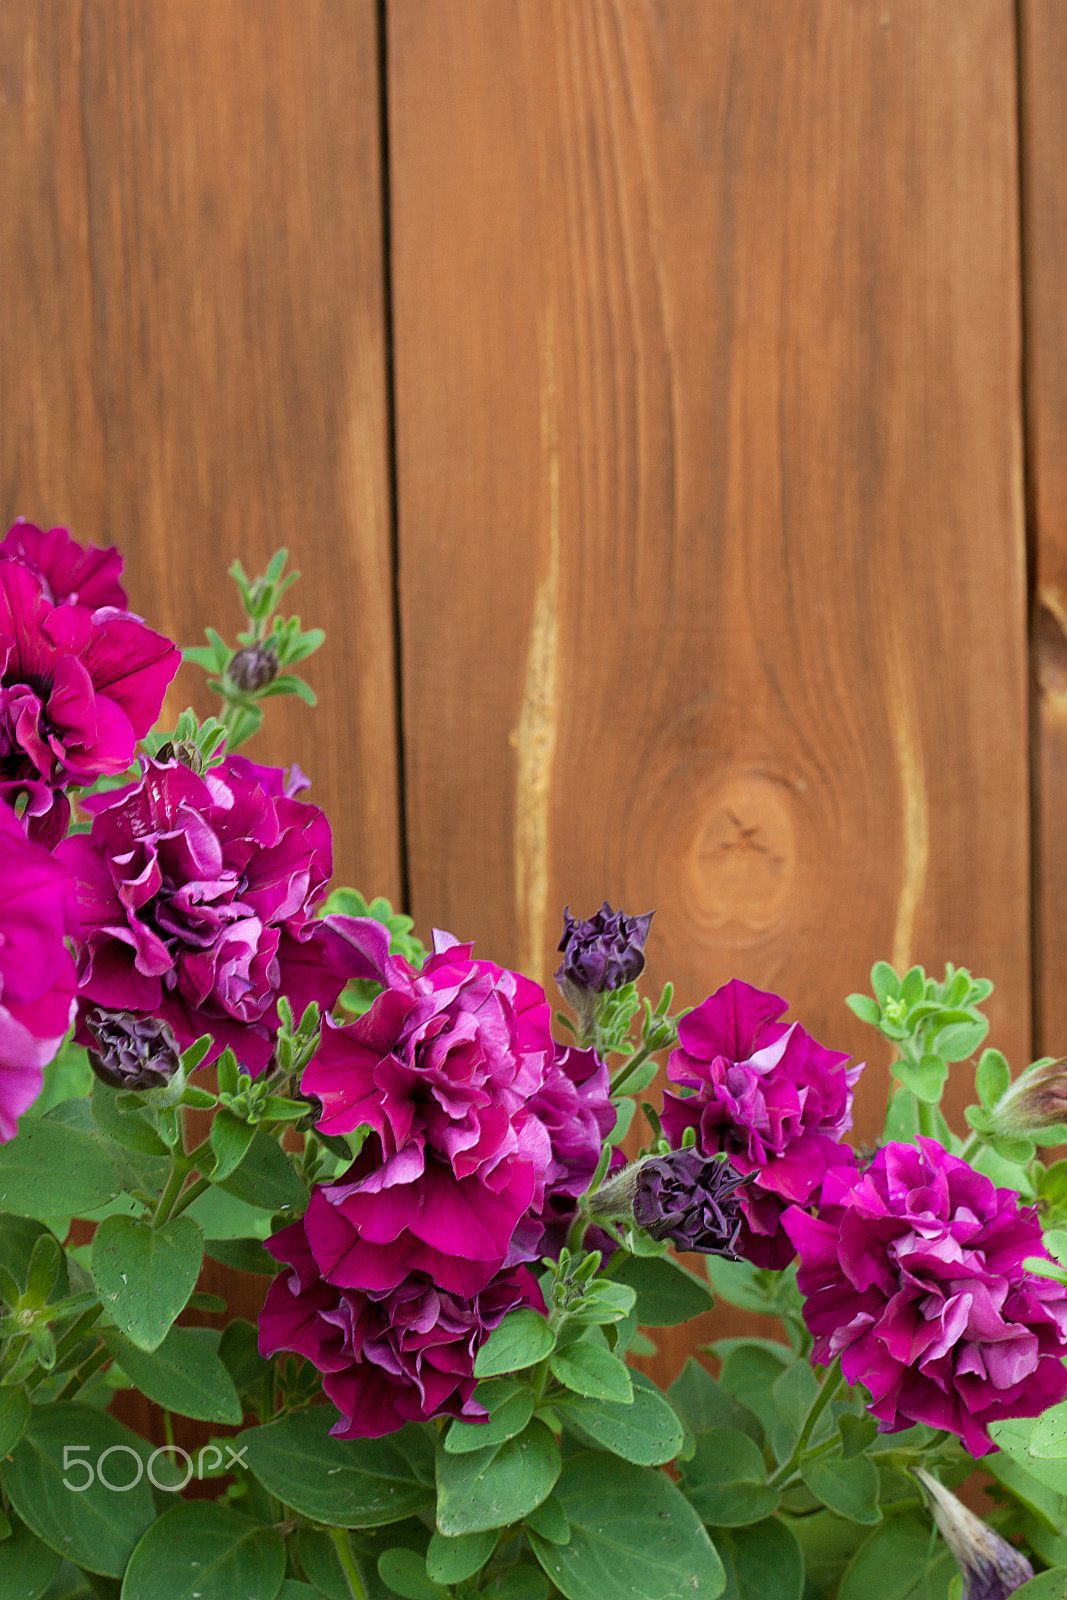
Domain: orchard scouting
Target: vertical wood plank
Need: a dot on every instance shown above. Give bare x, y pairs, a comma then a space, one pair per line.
1043, 44
192, 340
711, 538
192, 351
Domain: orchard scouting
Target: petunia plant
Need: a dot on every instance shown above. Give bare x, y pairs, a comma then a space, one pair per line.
468, 1214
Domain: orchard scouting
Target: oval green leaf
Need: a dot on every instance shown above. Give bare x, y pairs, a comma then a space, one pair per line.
27, 1566
54, 1170
850, 1487
145, 1275
202, 1551
632, 1533
96, 1527
347, 1483
646, 1432
522, 1339
490, 1488
184, 1374
726, 1480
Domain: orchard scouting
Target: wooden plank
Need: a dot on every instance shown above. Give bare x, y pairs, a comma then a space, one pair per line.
1043, 44
711, 542
192, 339
192, 355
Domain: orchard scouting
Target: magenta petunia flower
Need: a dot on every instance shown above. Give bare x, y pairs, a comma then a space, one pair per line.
913, 1272
195, 898
777, 1102
69, 573
78, 688
574, 1103
38, 984
389, 1356
278, 781
442, 1069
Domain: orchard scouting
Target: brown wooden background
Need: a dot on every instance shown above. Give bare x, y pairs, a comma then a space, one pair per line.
666, 402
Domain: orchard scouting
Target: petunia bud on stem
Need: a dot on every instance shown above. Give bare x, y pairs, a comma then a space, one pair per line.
992, 1568
685, 1198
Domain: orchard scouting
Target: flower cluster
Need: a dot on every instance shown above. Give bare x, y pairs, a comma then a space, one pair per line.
913, 1273
481, 1134
195, 899
81, 678
767, 1095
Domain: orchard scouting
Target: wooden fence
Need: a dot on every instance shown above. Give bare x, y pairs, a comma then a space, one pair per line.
666, 401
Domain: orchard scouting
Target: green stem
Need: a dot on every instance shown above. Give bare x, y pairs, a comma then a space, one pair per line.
73, 1336
927, 1121
178, 1174
828, 1388
79, 1378
971, 1147
628, 1068
194, 1191
347, 1560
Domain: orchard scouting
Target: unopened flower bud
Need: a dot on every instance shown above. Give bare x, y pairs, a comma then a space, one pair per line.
131, 1052
685, 1198
992, 1568
1037, 1099
602, 953
253, 667
184, 751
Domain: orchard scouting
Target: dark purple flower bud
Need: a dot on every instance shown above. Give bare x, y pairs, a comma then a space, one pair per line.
604, 952
992, 1568
131, 1052
254, 667
691, 1201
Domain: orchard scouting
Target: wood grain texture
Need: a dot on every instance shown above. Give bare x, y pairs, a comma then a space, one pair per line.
192, 352
192, 338
711, 541
1043, 44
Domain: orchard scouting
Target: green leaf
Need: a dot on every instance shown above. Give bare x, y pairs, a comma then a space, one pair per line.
726, 1480
452, 1560
1048, 1435
794, 1393
231, 1140
184, 1374
505, 1421
14, 1415
403, 1572
749, 1371
764, 1561
632, 1533
701, 1402
54, 1170
645, 1431
961, 1039
666, 1292
848, 1487
1013, 1437
1016, 1150
242, 1255
266, 1178
1050, 1585
589, 1369
27, 1567
221, 1216
18, 1237
1047, 1506
856, 1434
991, 1078
490, 1488
884, 982
144, 1274
239, 1354
132, 1129
347, 1483
926, 1080
548, 1521
236, 1557
522, 1340
889, 1564
517, 1583
865, 1008
95, 1526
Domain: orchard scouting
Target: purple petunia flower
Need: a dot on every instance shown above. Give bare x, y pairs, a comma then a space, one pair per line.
442, 1069
991, 1568
769, 1096
278, 781
69, 573
913, 1272
78, 688
690, 1200
38, 984
195, 898
388, 1356
131, 1052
